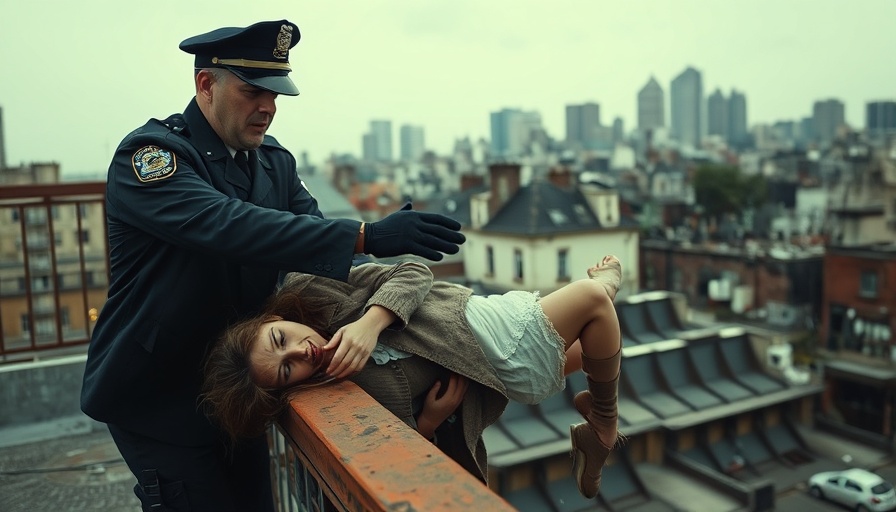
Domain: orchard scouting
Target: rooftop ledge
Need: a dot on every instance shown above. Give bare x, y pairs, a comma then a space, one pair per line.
365, 458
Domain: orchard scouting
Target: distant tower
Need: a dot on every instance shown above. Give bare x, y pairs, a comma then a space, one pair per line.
411, 142
717, 115
686, 98
512, 130
827, 116
377, 143
880, 118
737, 119
582, 122
651, 106
618, 130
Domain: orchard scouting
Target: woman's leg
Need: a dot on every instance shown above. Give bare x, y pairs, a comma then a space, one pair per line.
584, 315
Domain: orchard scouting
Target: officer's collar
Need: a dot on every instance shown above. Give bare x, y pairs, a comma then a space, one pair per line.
202, 135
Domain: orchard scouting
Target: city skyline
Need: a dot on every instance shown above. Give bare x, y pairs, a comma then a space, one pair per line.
71, 90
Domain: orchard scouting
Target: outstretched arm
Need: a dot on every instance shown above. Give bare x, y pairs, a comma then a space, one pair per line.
436, 409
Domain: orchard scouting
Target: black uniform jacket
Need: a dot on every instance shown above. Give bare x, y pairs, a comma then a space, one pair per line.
188, 257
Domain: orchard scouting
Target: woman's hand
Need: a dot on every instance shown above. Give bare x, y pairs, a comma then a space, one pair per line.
354, 342
436, 409
353, 345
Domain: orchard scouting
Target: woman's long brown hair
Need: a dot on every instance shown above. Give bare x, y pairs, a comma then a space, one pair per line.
229, 395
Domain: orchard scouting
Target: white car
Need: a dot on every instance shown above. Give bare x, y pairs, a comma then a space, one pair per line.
858, 489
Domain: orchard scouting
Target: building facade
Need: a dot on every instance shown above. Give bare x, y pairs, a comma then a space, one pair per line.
377, 142
880, 118
651, 106
686, 99
412, 142
582, 122
512, 131
717, 115
827, 118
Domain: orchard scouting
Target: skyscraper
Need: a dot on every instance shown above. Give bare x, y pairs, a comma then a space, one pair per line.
618, 130
651, 106
582, 122
717, 115
411, 142
880, 118
512, 130
377, 143
737, 119
827, 117
686, 98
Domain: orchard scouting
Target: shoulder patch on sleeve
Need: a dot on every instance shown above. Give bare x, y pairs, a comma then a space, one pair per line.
153, 163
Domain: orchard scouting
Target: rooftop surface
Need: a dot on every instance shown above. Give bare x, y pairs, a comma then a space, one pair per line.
85, 472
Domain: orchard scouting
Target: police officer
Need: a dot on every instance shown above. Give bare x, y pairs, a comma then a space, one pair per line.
205, 210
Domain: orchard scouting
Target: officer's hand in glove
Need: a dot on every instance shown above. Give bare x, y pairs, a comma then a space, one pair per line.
409, 232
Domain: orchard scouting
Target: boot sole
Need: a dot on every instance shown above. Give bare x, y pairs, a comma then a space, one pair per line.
584, 440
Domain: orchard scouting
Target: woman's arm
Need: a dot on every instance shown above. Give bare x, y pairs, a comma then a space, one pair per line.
400, 288
391, 294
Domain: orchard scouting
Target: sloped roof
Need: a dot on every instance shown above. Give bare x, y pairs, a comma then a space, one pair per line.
456, 205
543, 208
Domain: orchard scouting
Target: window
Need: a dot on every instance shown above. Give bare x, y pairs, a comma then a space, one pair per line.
64, 317
45, 327
83, 210
557, 217
85, 236
563, 265
518, 264
26, 328
868, 284
490, 260
40, 284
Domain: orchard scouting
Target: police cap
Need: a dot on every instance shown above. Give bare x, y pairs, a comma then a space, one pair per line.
258, 54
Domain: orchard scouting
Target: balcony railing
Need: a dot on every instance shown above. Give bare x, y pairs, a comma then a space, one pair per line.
30, 282
336, 450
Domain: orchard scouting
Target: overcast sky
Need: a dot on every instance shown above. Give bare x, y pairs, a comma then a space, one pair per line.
76, 76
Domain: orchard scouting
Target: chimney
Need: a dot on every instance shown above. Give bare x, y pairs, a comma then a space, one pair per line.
561, 177
468, 181
505, 182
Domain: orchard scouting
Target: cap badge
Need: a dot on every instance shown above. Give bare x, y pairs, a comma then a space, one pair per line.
284, 38
153, 163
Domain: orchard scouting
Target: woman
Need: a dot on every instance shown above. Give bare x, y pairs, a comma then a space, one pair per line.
516, 345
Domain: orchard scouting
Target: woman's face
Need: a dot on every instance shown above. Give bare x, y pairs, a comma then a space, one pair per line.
286, 353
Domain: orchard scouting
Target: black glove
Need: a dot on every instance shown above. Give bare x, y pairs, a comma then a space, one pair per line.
409, 232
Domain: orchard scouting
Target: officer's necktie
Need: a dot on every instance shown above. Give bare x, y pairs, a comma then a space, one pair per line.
243, 163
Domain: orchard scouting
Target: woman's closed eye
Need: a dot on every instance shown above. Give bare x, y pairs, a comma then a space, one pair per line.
278, 339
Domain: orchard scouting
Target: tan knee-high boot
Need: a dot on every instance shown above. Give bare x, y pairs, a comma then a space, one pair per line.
598, 406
